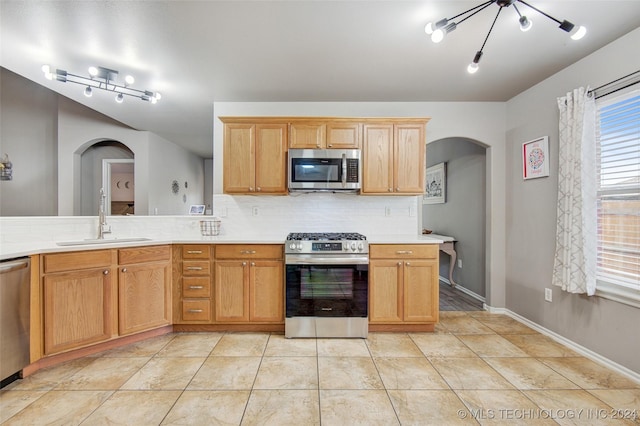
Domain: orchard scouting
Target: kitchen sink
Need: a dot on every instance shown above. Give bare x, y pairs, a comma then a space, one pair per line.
90, 241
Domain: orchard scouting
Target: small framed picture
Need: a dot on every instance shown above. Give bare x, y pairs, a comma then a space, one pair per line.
535, 158
196, 209
435, 184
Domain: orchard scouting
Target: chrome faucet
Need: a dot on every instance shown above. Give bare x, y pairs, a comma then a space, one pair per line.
103, 227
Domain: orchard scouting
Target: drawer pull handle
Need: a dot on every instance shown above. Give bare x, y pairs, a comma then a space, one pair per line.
247, 252
195, 311
404, 252
196, 287
194, 268
194, 251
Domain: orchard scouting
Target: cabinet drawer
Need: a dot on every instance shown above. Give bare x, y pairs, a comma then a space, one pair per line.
74, 261
196, 251
196, 310
249, 251
196, 287
196, 267
403, 251
143, 254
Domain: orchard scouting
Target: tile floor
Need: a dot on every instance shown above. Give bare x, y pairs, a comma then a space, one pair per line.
476, 368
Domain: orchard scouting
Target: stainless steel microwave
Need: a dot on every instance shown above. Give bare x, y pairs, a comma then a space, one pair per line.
315, 170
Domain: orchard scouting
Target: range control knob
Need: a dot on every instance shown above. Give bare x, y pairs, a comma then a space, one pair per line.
353, 246
360, 246
299, 246
292, 246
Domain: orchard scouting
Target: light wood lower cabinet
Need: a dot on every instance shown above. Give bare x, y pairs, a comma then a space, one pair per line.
403, 284
79, 299
193, 277
144, 284
249, 284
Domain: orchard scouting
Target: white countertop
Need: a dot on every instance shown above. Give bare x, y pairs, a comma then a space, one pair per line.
27, 248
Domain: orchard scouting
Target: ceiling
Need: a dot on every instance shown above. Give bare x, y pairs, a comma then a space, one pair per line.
198, 52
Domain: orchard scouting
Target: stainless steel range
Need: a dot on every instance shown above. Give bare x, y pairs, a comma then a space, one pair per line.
327, 285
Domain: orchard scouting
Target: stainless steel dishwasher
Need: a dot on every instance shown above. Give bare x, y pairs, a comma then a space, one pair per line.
14, 318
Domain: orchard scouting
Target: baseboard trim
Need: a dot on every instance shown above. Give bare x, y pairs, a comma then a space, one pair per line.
587, 353
462, 289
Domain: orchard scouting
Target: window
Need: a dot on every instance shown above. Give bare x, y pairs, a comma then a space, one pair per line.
618, 165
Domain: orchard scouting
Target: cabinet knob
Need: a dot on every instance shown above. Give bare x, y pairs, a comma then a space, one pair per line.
408, 263
244, 263
251, 188
330, 145
106, 272
259, 189
124, 269
399, 263
253, 263
398, 189
390, 189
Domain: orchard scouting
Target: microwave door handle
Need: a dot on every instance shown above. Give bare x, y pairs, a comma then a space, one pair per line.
344, 170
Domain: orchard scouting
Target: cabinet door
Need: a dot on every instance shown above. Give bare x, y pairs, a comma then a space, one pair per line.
144, 296
77, 309
239, 154
377, 147
409, 158
271, 158
344, 135
266, 291
421, 290
385, 291
307, 135
232, 291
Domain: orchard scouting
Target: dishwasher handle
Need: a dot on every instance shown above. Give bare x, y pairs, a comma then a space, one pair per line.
13, 265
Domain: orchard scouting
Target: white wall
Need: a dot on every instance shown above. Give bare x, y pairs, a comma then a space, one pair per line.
28, 134
608, 328
481, 121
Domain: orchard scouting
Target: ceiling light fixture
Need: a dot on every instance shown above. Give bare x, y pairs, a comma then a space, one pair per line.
103, 79
440, 29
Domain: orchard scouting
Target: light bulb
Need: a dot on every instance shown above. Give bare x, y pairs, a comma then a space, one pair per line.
525, 24
46, 69
157, 96
429, 28
93, 71
437, 36
580, 32
153, 100
129, 79
120, 98
88, 91
472, 68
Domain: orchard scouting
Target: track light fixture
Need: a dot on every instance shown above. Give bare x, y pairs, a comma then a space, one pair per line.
440, 29
103, 79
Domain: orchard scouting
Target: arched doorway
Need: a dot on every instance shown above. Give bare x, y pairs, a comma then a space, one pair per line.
463, 215
92, 162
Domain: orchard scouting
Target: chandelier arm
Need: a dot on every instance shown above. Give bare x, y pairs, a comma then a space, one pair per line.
487, 4
539, 11
490, 29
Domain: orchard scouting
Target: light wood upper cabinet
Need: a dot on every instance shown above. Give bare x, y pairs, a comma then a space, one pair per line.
254, 158
393, 158
307, 135
79, 298
144, 284
344, 135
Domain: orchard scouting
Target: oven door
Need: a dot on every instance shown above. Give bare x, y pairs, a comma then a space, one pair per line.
327, 286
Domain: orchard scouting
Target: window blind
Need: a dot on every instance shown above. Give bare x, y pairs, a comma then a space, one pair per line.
618, 158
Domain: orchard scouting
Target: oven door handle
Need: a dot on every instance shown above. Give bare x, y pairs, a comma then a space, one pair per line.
320, 260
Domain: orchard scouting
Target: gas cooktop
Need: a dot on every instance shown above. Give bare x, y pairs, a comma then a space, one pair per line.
325, 236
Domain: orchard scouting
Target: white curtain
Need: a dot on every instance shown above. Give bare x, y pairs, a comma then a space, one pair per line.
574, 266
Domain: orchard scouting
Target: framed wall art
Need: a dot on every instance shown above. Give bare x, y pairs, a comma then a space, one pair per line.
435, 184
535, 158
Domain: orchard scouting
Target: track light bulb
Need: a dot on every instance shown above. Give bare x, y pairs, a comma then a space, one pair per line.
120, 98
437, 36
129, 80
428, 28
93, 71
88, 91
525, 24
579, 33
472, 68
46, 69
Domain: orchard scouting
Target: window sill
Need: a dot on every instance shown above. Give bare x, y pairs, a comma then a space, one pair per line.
618, 293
